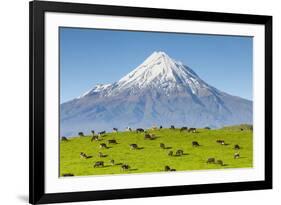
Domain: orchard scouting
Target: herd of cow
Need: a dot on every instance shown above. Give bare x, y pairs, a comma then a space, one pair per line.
147, 136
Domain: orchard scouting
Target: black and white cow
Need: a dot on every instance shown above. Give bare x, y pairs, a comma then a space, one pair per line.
99, 164
125, 167
179, 152
192, 129
103, 145
139, 130
102, 133
236, 155
133, 146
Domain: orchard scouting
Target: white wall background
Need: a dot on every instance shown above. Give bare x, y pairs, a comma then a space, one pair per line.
14, 100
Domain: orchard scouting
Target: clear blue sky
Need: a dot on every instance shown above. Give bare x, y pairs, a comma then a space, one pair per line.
91, 56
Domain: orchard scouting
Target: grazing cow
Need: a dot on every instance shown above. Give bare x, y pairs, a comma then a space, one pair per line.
172, 127
129, 129
125, 167
81, 134
170, 153
101, 155
195, 144
192, 129
162, 145
179, 152
236, 146
167, 168
139, 130
103, 145
64, 138
221, 142
84, 155
102, 132
183, 129
134, 146
93, 132
241, 129
95, 137
236, 155
149, 136
68, 175
210, 160
160, 127
220, 162
99, 164
112, 142
115, 129
112, 162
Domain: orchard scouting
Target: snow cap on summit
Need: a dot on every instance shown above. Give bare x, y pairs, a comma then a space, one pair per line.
160, 69
156, 55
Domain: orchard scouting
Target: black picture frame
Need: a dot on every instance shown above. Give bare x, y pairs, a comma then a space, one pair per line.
37, 10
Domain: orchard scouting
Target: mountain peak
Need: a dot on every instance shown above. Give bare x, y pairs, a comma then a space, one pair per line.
161, 71
157, 56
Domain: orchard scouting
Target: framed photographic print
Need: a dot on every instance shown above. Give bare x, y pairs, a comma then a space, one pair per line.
140, 102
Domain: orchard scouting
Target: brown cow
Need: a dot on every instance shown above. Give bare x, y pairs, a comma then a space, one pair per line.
170, 153
211, 160
220, 162
162, 145
112, 142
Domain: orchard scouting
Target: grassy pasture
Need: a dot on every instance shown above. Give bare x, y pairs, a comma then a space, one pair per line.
151, 158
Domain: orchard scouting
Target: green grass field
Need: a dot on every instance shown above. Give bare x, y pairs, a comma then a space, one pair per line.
152, 158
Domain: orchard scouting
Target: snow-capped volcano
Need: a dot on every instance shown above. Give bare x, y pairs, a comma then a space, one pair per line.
162, 91
159, 72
